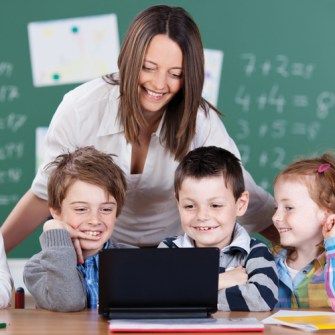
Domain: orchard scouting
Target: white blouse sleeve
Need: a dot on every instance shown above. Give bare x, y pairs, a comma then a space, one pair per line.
210, 130
60, 138
6, 282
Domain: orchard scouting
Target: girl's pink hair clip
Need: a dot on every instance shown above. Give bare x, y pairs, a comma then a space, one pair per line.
323, 167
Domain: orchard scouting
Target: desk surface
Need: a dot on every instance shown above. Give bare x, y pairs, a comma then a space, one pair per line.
41, 322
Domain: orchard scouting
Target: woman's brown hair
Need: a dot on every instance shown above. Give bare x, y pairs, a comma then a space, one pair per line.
181, 112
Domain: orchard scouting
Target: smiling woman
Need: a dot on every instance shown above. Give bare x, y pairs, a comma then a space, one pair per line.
150, 115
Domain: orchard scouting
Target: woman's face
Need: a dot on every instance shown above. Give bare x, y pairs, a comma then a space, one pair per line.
161, 75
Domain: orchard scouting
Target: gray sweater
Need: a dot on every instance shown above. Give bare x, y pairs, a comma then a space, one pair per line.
52, 277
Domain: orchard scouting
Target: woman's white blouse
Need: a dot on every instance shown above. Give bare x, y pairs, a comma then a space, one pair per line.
88, 116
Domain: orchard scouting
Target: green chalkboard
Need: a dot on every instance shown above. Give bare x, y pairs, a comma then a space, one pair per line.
276, 92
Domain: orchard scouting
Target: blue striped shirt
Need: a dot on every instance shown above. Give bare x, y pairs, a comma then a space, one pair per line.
90, 272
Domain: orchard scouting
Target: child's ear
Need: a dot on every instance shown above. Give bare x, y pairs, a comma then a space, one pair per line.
328, 226
55, 213
242, 203
325, 216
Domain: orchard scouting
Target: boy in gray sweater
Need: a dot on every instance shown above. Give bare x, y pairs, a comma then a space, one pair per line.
86, 191
210, 192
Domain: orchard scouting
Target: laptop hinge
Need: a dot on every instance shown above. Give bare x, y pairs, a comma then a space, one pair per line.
157, 313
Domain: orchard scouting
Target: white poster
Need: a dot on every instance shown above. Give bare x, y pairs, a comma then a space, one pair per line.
40, 134
73, 50
213, 67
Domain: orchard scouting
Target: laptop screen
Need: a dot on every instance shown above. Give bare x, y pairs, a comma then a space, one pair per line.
178, 280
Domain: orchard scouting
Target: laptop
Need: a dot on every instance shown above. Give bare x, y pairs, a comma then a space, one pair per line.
158, 283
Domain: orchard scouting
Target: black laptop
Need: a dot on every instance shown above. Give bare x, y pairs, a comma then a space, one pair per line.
158, 283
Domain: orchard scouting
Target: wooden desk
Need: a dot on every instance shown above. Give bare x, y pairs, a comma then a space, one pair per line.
41, 322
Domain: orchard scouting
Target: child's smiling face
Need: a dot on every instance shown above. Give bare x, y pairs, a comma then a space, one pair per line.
89, 209
297, 218
208, 210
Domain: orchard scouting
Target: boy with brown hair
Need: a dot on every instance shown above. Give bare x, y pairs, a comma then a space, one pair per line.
86, 191
210, 191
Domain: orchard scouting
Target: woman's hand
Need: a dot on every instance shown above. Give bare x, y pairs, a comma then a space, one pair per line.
237, 276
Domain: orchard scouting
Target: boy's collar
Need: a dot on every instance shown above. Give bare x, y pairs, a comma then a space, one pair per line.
240, 241
184, 241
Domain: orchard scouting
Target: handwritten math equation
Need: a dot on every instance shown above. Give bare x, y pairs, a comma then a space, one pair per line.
275, 101
11, 145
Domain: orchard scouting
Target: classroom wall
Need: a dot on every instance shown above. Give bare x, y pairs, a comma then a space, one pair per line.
276, 92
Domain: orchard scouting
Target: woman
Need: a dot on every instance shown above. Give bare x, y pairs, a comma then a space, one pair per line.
150, 115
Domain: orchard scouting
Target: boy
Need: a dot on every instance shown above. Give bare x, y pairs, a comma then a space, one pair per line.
209, 189
86, 191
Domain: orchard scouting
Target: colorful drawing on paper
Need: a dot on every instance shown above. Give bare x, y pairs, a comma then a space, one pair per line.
73, 50
213, 66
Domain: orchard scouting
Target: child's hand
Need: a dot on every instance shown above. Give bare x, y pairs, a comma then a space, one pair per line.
79, 251
328, 228
237, 276
53, 224
75, 235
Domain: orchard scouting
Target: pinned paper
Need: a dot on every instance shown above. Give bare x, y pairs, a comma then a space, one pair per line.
213, 67
73, 50
40, 134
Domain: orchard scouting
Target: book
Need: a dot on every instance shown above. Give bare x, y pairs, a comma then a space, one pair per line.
186, 325
307, 321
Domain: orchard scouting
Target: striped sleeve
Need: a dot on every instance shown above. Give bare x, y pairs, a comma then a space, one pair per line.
260, 293
330, 270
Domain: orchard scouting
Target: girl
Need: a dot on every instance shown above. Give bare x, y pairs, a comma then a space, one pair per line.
305, 205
